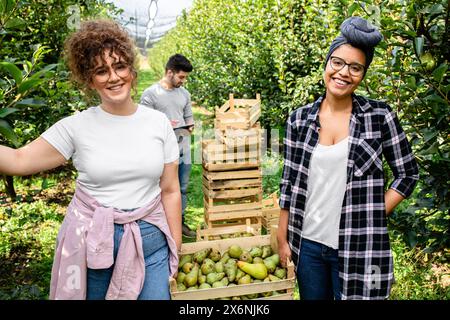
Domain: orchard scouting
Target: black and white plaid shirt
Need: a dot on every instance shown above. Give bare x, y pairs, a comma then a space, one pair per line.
365, 258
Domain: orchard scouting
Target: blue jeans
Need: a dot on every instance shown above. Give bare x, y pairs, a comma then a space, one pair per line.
318, 272
156, 255
184, 172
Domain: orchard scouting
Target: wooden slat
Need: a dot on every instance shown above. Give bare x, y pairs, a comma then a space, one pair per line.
236, 174
230, 184
233, 215
231, 207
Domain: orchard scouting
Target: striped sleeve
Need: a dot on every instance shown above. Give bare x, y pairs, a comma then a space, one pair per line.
399, 155
288, 155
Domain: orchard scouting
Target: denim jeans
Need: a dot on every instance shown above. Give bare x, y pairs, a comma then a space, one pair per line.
184, 172
318, 272
156, 255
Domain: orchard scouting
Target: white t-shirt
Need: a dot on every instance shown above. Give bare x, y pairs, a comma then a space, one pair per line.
119, 159
327, 181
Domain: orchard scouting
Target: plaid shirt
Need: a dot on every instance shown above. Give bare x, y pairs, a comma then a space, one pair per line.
365, 258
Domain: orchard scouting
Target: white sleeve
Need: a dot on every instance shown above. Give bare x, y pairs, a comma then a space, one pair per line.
171, 149
60, 136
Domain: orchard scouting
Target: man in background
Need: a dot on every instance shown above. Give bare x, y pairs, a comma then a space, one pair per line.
169, 97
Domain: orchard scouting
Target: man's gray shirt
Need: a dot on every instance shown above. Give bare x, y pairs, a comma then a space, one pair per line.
174, 103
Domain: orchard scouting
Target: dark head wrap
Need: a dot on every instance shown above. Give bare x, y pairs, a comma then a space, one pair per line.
360, 34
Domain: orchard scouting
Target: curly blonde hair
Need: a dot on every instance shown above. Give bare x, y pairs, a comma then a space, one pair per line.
82, 48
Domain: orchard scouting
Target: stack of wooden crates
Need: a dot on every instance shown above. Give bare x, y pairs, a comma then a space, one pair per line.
232, 175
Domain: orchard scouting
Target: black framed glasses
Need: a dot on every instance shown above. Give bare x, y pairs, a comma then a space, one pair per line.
103, 73
355, 69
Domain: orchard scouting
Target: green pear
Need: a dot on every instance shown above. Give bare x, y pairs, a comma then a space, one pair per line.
280, 273
214, 255
180, 277
191, 278
225, 257
201, 255
219, 267
201, 279
245, 279
266, 251
207, 266
181, 287
205, 285
246, 257
213, 277
239, 274
234, 251
258, 260
257, 270
187, 267
184, 259
256, 252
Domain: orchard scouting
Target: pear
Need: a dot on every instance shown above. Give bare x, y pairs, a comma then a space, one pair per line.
275, 258
236, 298
187, 267
184, 259
245, 279
218, 284
214, 255
180, 277
181, 287
246, 257
257, 270
252, 296
204, 285
213, 277
256, 252
273, 278
267, 294
219, 267
192, 288
239, 274
201, 279
191, 278
258, 260
230, 270
207, 266
225, 257
270, 265
266, 251
234, 251
280, 273
201, 255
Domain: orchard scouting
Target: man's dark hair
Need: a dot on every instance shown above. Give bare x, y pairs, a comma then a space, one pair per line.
178, 63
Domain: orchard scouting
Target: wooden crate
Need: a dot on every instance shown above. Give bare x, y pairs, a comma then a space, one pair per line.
238, 113
232, 196
217, 153
216, 232
270, 211
287, 284
240, 138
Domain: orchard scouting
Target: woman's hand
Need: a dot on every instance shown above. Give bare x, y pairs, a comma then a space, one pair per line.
284, 251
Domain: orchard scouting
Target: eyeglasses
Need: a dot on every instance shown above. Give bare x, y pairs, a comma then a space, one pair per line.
355, 69
103, 74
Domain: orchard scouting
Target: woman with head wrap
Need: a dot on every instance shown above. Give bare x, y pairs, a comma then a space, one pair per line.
333, 199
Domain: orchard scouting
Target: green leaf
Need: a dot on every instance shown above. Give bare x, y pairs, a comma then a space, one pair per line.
412, 239
28, 84
352, 8
16, 23
6, 6
8, 132
6, 111
418, 44
440, 71
31, 102
13, 70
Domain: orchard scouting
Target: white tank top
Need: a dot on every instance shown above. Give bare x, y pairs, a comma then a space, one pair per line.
326, 189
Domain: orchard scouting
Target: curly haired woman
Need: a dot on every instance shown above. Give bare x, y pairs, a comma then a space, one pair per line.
120, 236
